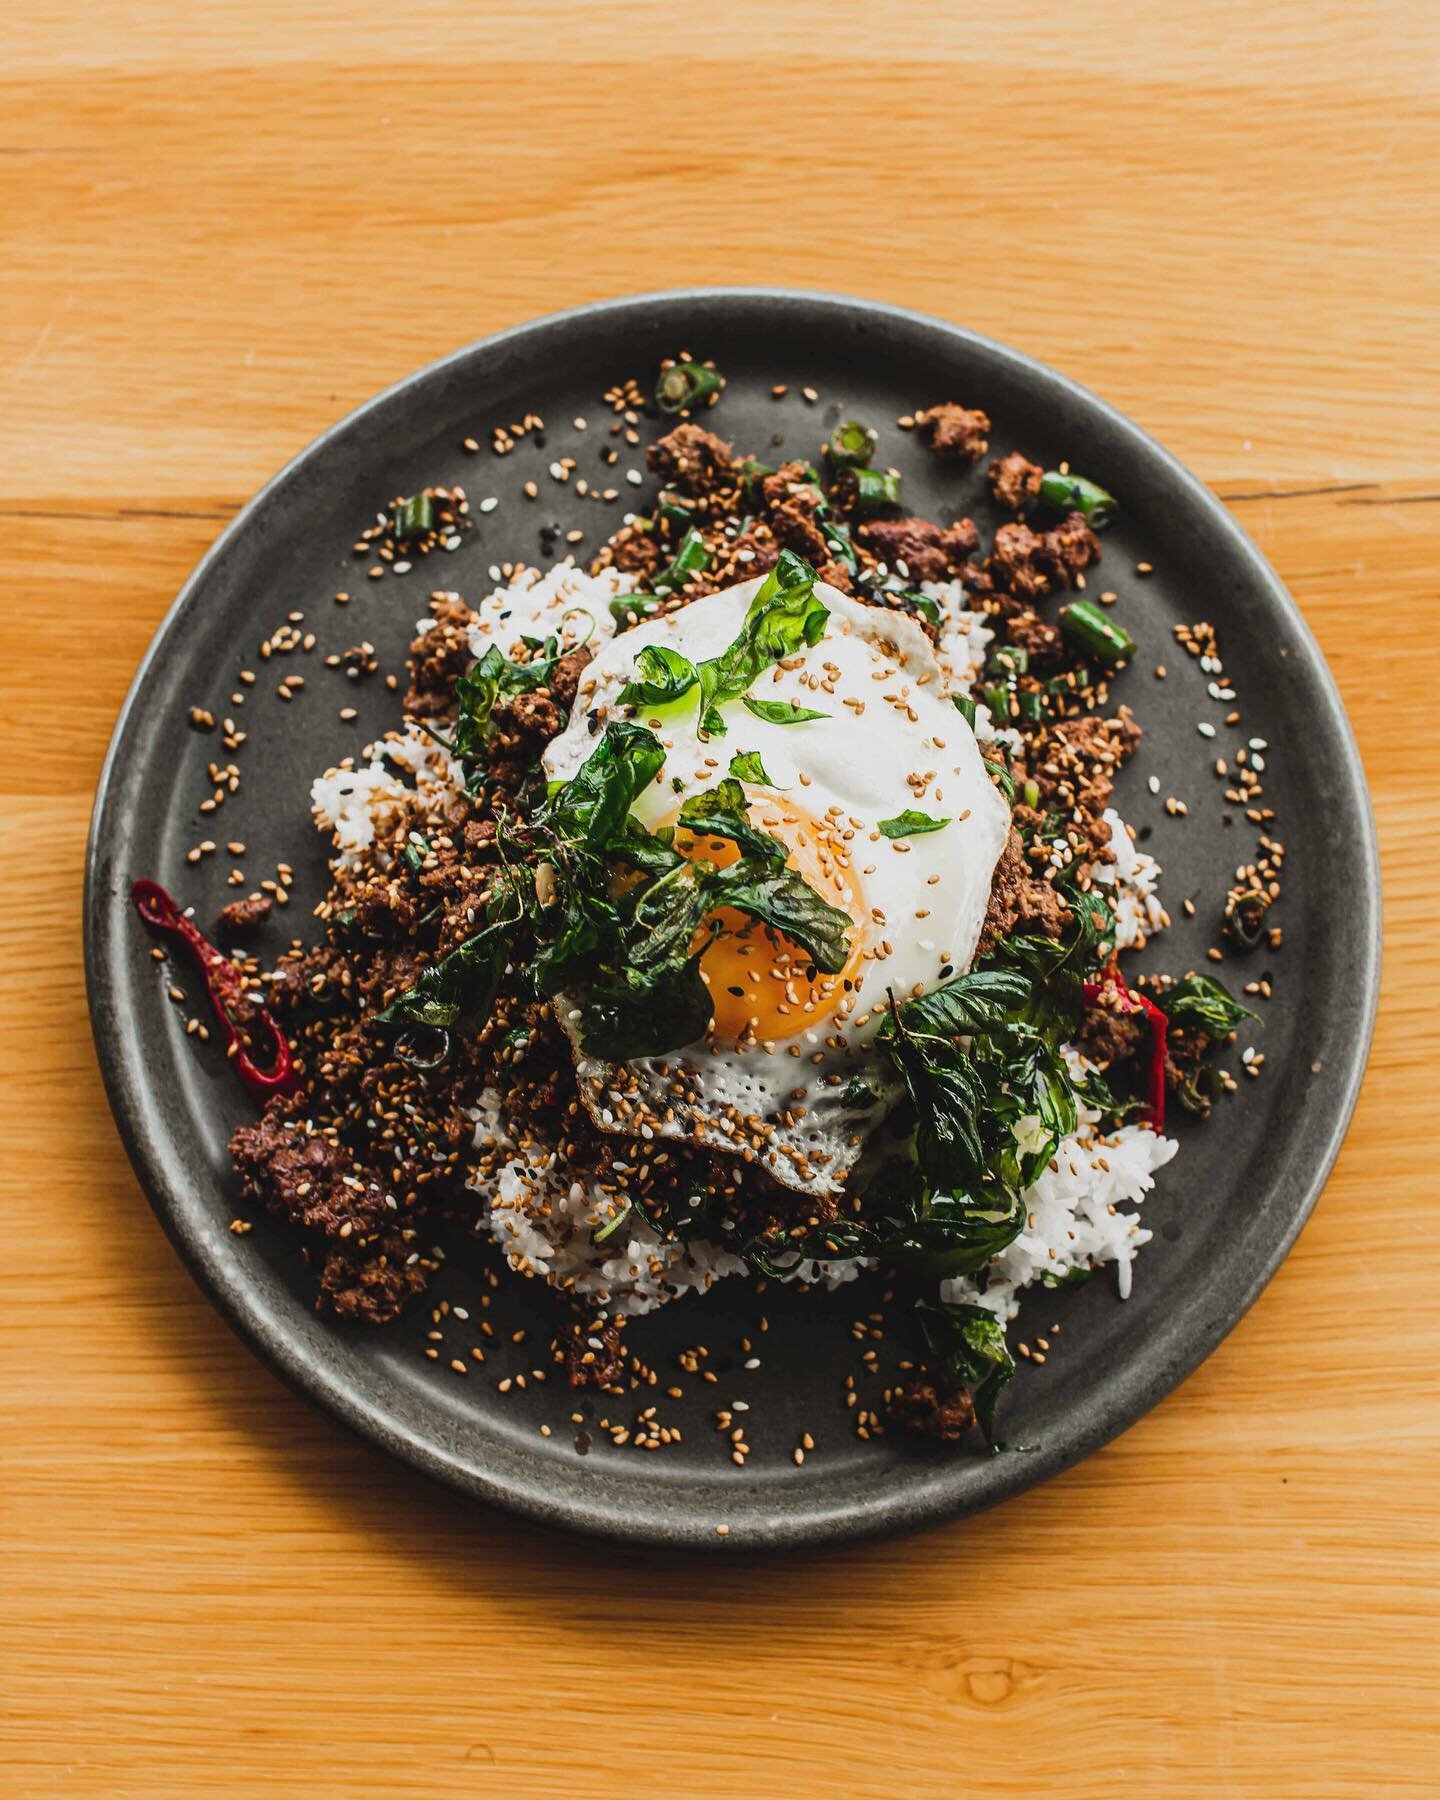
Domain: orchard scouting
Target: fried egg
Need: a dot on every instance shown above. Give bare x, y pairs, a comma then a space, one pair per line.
775, 1078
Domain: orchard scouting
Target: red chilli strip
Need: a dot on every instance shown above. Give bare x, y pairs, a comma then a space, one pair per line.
1159, 1026
225, 985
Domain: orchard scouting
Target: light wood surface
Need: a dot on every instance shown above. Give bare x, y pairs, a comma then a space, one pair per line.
222, 225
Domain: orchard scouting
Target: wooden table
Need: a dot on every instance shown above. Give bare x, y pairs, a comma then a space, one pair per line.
225, 224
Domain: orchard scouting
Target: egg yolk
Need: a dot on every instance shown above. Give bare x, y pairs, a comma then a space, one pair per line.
761, 983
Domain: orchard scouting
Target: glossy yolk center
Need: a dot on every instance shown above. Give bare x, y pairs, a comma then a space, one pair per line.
760, 982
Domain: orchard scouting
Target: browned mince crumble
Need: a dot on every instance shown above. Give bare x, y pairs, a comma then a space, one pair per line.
373, 1144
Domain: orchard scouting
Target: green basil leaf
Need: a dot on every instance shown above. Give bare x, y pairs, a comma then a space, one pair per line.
910, 824
780, 712
746, 765
784, 617
662, 675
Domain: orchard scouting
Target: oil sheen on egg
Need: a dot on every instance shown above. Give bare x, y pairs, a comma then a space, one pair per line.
771, 1075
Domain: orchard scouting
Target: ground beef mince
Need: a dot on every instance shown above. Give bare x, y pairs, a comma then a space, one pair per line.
1015, 482
306, 1176
791, 501
1020, 897
695, 461
1041, 641
928, 552
593, 1356
438, 658
386, 908
520, 730
1074, 763
753, 553
956, 431
634, 551
373, 1282
565, 682
1067, 549
838, 576
926, 1409
243, 918
1016, 564
369, 1266
1030, 565
1112, 1037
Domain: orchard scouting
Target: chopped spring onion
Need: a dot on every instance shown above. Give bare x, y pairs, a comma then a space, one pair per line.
686, 384
412, 518
998, 700
1073, 681
965, 706
851, 445
1030, 794
1008, 659
1086, 625
1073, 493
615, 1222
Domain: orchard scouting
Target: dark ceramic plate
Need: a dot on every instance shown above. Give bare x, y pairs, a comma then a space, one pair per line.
1226, 1210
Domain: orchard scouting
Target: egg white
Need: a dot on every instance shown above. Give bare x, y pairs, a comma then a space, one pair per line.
918, 902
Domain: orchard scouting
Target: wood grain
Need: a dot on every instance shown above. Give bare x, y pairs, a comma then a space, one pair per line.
224, 225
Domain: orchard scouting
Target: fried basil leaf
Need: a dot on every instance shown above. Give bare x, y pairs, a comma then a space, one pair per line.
657, 938
1204, 1003
967, 1348
618, 1024
652, 852
720, 812
746, 765
494, 678
784, 617
782, 898
661, 676
460, 989
974, 1002
578, 931
592, 807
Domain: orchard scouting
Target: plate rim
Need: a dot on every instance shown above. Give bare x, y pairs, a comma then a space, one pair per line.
817, 1526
